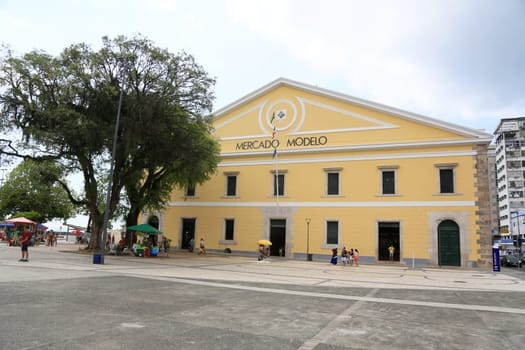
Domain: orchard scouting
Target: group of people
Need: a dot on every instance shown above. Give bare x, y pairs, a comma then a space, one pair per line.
13, 236
149, 246
27, 238
350, 257
51, 238
202, 247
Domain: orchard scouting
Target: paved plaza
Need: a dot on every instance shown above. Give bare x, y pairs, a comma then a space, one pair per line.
61, 300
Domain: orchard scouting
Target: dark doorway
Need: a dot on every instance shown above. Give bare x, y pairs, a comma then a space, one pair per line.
448, 242
154, 221
277, 237
188, 232
388, 233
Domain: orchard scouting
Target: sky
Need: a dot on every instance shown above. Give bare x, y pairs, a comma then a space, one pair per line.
461, 61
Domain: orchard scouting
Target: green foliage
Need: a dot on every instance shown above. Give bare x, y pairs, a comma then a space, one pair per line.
31, 190
66, 108
31, 215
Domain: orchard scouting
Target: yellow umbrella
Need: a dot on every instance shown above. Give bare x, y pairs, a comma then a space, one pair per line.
264, 242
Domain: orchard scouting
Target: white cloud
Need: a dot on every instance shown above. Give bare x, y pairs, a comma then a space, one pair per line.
444, 58
265, 17
193, 23
162, 5
409, 54
13, 22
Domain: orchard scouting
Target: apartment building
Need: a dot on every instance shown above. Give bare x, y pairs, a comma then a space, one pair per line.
510, 175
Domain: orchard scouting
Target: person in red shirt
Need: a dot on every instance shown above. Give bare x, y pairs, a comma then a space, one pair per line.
25, 240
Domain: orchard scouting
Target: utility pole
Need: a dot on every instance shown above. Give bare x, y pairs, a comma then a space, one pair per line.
308, 255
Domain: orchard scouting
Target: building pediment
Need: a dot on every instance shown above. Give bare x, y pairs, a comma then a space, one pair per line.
288, 115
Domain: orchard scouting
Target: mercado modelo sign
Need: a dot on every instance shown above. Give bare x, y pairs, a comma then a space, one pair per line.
275, 143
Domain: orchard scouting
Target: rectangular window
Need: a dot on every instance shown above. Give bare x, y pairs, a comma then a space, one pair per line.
388, 182
333, 184
231, 185
229, 225
278, 184
332, 232
190, 191
446, 180
446, 173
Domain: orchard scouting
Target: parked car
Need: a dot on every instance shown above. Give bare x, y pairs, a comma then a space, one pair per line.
514, 259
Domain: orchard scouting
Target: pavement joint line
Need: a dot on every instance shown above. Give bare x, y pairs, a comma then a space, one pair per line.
323, 335
339, 296
353, 280
350, 282
321, 282
316, 280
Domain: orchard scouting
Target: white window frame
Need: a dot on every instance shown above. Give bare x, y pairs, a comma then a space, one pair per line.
329, 171
224, 240
327, 245
186, 195
388, 168
275, 175
228, 174
447, 166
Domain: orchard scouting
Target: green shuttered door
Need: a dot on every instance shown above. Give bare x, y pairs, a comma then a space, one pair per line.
448, 236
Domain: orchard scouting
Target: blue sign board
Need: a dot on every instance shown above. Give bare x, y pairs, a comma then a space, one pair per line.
496, 267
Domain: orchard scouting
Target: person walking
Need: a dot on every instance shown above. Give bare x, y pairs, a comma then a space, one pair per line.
191, 245
25, 240
344, 256
333, 260
356, 257
202, 248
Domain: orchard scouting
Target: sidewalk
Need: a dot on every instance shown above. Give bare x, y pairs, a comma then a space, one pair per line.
221, 301
228, 267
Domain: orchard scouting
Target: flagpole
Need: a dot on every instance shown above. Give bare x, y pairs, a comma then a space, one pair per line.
276, 178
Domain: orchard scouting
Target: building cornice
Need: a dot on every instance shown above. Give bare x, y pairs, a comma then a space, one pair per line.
324, 159
354, 148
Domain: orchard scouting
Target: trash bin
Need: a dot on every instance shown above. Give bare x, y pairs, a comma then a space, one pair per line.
309, 257
98, 259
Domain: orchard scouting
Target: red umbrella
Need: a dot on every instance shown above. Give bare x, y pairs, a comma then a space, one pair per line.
20, 221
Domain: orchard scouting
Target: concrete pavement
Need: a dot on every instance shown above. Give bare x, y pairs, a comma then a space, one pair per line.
62, 300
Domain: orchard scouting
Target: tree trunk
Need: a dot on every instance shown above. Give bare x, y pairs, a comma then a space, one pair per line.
97, 223
131, 220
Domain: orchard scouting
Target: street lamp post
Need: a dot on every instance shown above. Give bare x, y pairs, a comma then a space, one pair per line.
308, 255
518, 241
100, 259
517, 234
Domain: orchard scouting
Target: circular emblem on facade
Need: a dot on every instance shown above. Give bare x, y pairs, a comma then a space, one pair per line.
281, 115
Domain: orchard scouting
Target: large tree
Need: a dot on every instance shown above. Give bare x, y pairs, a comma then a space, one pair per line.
66, 107
28, 189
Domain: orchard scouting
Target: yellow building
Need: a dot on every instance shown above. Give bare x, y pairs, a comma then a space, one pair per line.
312, 169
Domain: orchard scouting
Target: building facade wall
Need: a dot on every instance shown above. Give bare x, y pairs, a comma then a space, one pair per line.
321, 134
